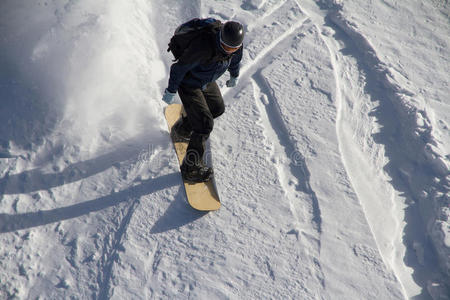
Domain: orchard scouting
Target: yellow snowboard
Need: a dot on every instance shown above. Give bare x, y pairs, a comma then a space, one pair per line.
203, 195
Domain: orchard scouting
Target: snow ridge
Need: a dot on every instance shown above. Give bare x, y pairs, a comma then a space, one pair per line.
416, 136
417, 164
337, 66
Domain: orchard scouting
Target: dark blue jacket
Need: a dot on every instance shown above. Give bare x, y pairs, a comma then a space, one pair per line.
203, 62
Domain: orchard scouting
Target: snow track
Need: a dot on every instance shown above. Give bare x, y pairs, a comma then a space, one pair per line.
372, 124
350, 105
111, 249
289, 163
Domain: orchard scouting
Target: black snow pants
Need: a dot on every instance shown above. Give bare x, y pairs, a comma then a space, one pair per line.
202, 107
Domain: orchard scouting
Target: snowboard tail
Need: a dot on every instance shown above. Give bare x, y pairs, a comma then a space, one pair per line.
201, 195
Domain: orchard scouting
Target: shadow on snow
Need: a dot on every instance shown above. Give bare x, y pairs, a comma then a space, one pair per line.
26, 113
9, 222
178, 214
35, 180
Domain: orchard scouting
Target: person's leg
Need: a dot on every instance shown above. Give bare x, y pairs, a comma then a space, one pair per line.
214, 99
201, 121
182, 128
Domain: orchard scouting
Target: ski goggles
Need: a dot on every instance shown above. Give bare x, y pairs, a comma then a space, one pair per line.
227, 48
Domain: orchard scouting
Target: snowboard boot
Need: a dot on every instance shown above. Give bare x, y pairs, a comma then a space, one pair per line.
196, 172
182, 130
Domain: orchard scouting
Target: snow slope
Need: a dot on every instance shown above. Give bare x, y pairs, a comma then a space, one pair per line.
331, 159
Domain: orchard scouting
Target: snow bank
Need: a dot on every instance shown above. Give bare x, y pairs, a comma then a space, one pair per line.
94, 64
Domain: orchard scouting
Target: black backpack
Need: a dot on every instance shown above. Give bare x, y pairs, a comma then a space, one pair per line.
187, 32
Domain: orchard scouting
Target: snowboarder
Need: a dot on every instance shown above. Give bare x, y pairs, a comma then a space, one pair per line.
194, 76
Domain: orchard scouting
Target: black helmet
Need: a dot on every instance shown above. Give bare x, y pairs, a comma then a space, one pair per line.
232, 34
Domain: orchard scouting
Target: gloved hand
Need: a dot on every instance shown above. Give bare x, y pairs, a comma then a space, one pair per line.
232, 81
168, 97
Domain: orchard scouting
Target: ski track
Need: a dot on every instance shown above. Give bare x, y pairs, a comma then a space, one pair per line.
337, 66
292, 173
292, 165
272, 118
397, 118
254, 64
271, 11
339, 132
111, 251
297, 167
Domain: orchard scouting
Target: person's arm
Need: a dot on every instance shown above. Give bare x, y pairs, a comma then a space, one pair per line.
190, 58
235, 63
177, 73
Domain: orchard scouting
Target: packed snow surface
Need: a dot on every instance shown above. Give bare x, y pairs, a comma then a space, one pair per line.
331, 160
